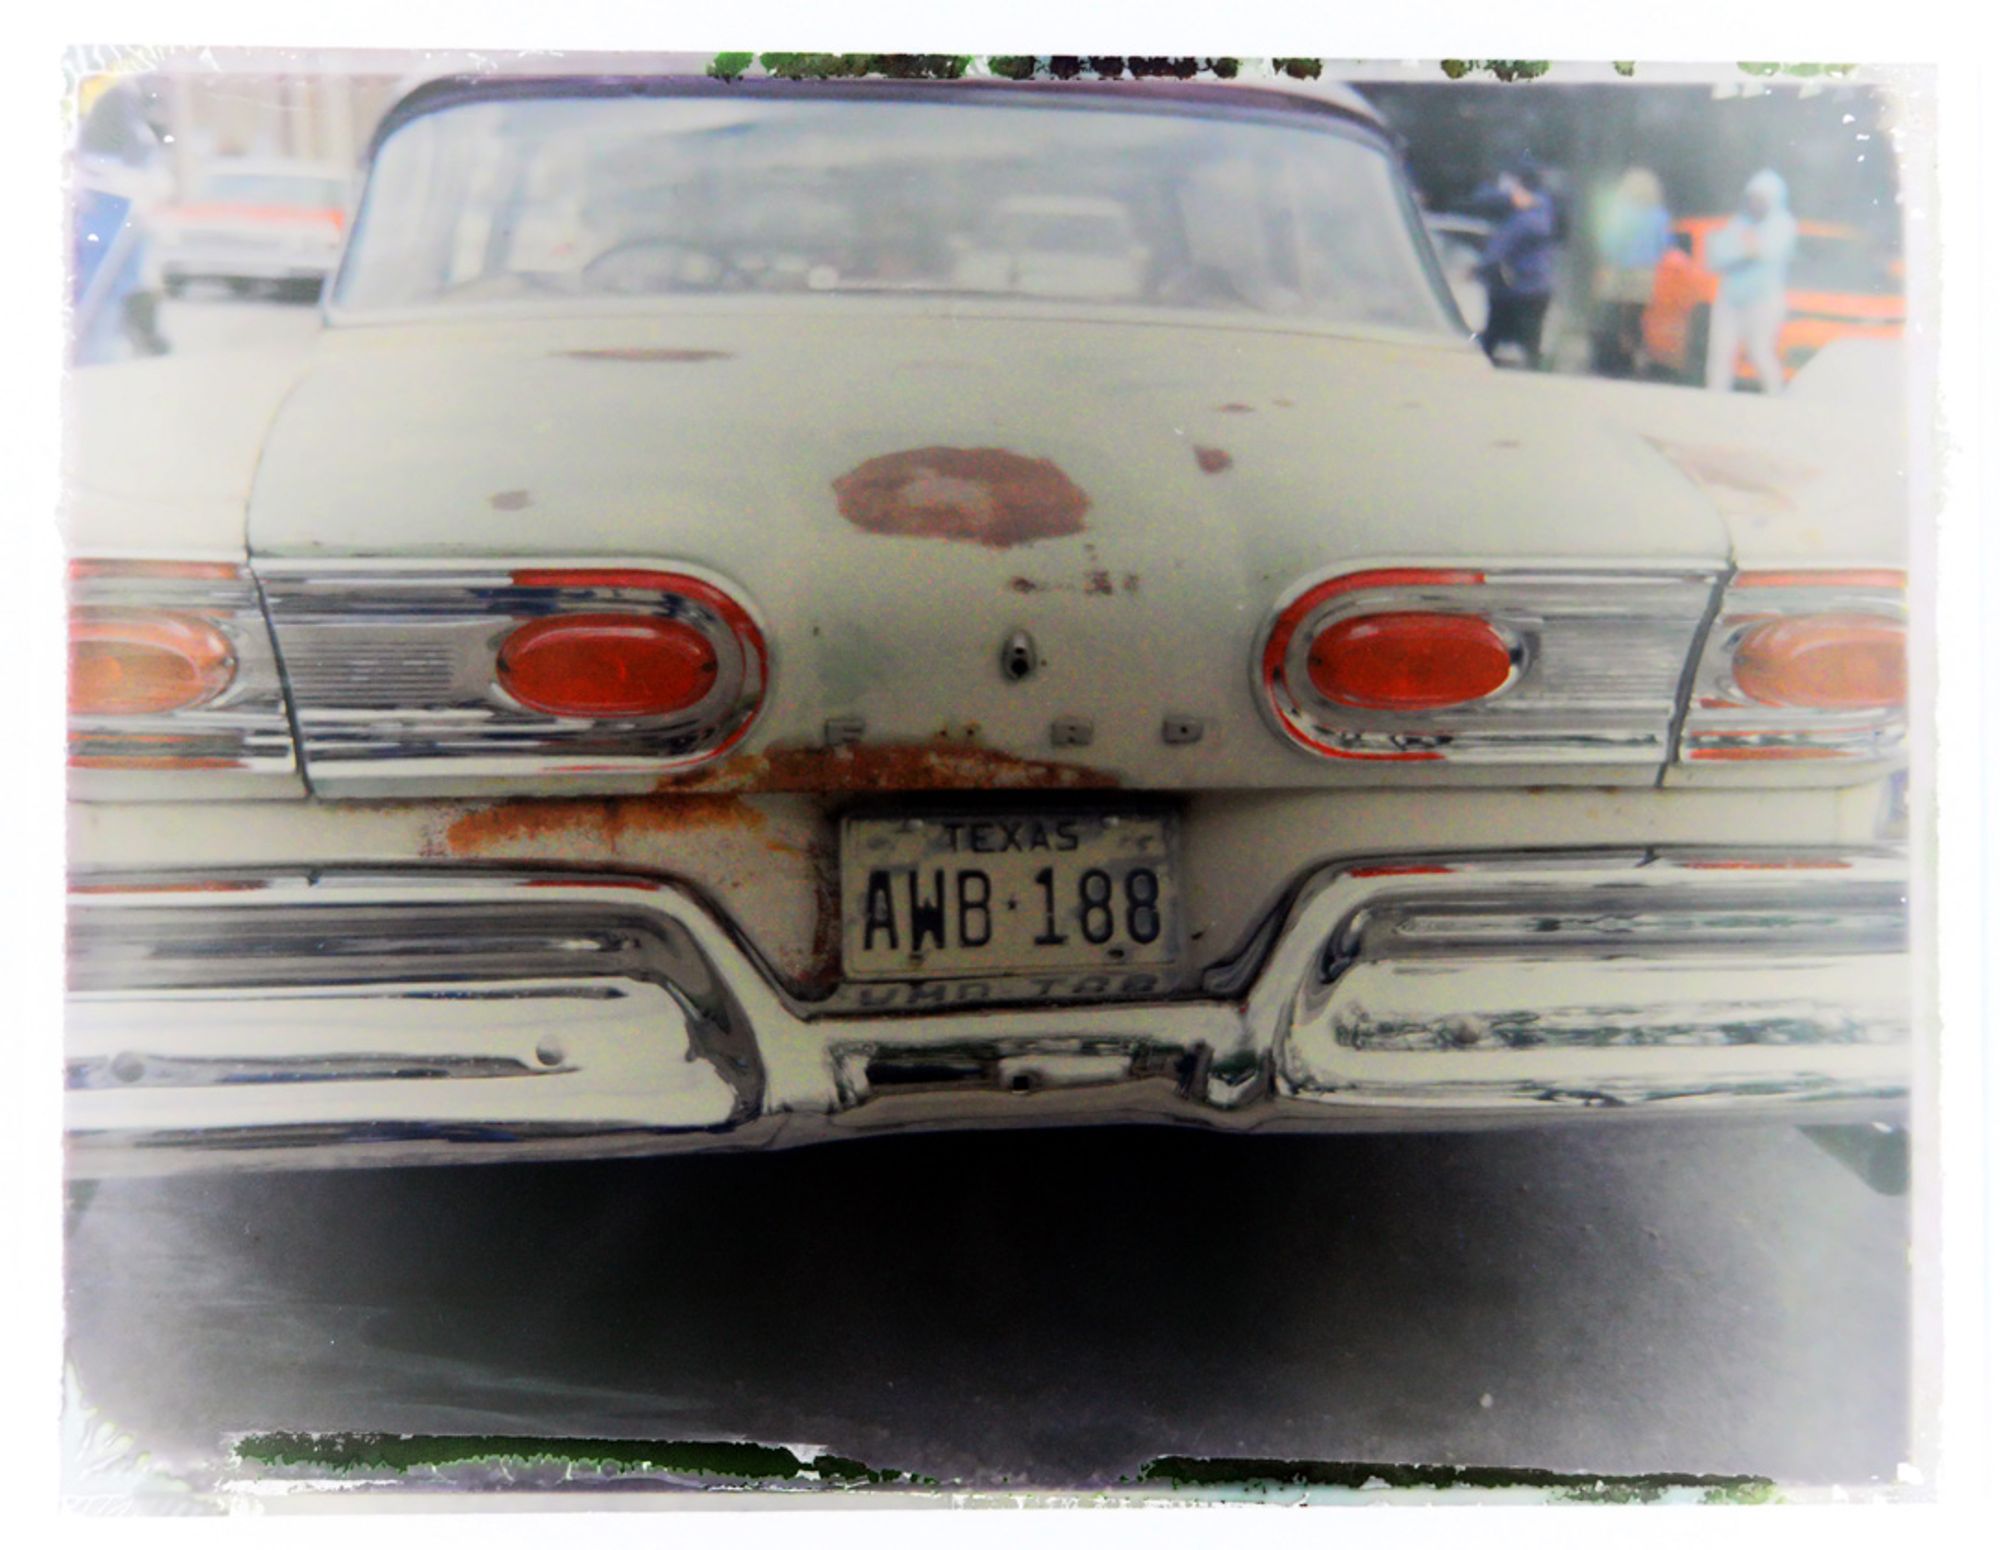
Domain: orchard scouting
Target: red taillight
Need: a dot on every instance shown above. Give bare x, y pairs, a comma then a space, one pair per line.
607, 664
1824, 662
137, 664
1409, 661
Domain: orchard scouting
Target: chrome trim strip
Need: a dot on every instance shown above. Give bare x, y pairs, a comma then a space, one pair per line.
1526, 985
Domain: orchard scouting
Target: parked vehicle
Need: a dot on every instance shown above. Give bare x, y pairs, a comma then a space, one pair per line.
263, 226
1841, 287
683, 663
1460, 241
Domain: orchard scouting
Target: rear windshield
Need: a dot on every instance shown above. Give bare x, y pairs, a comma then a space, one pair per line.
548, 198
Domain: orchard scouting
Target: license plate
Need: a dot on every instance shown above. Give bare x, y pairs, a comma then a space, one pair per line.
940, 896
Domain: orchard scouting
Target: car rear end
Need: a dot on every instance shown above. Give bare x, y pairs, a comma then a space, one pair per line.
596, 736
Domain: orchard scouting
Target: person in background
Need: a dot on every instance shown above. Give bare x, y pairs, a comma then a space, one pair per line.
1633, 233
118, 176
1518, 266
1750, 255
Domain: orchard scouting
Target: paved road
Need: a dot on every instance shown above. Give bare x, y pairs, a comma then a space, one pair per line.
1052, 1307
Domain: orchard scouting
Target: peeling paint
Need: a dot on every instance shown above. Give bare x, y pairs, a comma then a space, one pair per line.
608, 820
351, 1453
981, 495
1213, 460
939, 764
1177, 1470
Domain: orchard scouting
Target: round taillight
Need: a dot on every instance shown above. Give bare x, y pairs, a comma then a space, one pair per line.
1824, 662
1408, 661
607, 664
138, 664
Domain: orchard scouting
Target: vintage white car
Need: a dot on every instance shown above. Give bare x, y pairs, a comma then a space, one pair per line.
716, 679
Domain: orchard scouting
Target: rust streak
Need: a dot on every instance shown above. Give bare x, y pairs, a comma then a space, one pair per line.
981, 495
608, 820
937, 765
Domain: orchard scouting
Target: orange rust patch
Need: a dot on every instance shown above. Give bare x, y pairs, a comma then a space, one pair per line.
1744, 478
608, 820
937, 765
647, 353
1212, 460
980, 495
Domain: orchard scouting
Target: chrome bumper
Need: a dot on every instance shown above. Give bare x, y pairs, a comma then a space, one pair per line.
305, 1020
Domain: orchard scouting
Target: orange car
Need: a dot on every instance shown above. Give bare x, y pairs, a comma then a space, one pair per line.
1841, 288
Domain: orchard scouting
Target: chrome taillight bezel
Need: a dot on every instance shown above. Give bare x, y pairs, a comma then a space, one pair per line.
1598, 656
392, 668
234, 742
1725, 725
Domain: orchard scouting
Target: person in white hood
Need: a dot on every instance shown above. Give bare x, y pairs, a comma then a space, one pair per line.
1751, 255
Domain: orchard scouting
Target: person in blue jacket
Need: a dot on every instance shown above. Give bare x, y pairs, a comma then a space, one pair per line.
1518, 266
1751, 256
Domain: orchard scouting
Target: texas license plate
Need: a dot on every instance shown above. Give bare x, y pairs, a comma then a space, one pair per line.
938, 896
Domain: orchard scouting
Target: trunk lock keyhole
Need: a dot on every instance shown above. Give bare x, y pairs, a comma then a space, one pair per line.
1018, 658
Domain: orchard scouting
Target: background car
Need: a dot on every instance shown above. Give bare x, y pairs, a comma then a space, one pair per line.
1841, 287
254, 225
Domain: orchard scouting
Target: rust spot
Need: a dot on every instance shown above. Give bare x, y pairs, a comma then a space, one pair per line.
1212, 460
1023, 585
647, 353
1234, 409
608, 820
940, 764
1131, 582
1098, 583
509, 500
980, 495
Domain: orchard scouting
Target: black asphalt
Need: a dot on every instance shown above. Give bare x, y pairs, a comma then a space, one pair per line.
1050, 1307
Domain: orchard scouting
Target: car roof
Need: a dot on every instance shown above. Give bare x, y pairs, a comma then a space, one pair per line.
1333, 98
